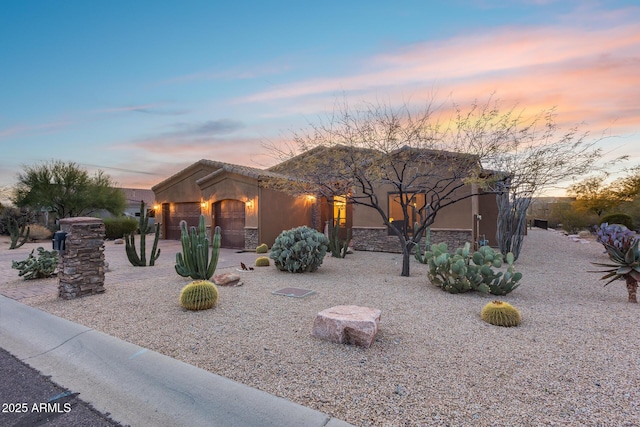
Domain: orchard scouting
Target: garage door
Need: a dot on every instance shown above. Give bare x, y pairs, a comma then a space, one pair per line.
229, 216
173, 213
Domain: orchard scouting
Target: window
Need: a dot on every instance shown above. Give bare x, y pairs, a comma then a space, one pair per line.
340, 209
415, 208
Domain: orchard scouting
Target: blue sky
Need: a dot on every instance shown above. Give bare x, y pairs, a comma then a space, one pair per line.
142, 89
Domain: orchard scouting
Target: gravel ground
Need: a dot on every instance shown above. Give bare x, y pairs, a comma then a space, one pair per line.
572, 362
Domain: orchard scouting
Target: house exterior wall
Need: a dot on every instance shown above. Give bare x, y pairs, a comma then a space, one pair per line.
453, 224
180, 189
280, 211
488, 209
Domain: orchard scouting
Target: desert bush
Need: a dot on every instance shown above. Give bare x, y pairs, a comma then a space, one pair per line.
116, 228
617, 218
40, 232
22, 216
299, 250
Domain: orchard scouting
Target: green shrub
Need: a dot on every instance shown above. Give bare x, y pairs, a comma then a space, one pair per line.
40, 267
299, 250
263, 261
116, 228
199, 295
617, 218
501, 313
262, 249
10, 215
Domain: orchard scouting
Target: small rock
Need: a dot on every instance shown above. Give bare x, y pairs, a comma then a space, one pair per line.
227, 279
118, 242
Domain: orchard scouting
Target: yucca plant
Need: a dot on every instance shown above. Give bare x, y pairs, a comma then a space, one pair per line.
626, 265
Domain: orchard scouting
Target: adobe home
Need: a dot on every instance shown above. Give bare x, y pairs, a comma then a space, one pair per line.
249, 211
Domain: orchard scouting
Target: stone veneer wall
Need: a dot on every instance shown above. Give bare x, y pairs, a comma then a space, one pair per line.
378, 239
251, 237
81, 264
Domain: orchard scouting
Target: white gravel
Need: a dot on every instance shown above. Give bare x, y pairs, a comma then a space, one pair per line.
573, 361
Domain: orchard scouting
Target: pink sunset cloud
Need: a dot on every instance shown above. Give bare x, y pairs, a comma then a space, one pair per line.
591, 75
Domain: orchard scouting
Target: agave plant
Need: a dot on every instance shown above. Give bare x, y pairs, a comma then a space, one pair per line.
626, 265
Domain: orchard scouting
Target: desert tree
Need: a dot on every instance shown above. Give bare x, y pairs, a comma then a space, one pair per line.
67, 189
593, 195
540, 157
426, 162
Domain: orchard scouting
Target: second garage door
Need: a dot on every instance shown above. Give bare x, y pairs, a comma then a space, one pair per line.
229, 216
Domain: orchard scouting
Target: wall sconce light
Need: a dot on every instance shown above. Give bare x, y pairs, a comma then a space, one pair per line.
203, 205
156, 207
310, 198
249, 204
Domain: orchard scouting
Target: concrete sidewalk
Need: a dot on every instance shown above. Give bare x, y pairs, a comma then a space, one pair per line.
137, 386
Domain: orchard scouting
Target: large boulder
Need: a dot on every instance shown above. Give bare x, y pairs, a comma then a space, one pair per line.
347, 324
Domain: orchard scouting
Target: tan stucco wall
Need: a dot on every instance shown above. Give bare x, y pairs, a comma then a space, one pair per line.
235, 187
457, 216
489, 223
280, 211
183, 188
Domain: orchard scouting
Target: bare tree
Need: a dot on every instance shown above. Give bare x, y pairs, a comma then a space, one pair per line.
539, 157
427, 163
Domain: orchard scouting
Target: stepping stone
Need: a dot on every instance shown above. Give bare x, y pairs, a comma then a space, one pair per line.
347, 324
293, 292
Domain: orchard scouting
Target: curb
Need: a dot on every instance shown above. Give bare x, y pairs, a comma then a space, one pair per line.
137, 386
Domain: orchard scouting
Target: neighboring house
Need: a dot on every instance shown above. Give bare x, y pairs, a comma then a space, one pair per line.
133, 196
249, 211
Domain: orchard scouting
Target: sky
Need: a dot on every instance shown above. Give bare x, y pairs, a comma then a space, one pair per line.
142, 89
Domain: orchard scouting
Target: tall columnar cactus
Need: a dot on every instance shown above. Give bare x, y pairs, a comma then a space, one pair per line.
17, 234
194, 261
338, 246
420, 253
130, 243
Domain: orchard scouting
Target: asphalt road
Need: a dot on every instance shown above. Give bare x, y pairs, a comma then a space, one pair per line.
28, 399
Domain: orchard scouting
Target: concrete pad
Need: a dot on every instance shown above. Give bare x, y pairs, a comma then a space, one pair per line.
138, 386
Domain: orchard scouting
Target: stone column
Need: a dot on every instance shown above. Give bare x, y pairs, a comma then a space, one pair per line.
81, 264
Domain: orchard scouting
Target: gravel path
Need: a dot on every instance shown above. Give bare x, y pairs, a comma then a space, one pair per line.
573, 361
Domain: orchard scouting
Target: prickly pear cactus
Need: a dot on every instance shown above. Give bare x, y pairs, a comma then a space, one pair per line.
463, 271
40, 267
501, 313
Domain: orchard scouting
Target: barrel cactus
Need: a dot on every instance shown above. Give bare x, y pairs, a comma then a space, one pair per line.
501, 313
263, 261
262, 249
199, 295
299, 250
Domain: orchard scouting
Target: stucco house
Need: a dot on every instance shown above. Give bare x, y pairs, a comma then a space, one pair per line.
249, 211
